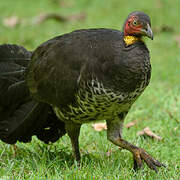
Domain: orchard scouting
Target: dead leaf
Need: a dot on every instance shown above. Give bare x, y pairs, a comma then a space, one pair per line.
99, 126
44, 17
167, 28
164, 28
77, 17
148, 132
170, 114
11, 21
109, 153
59, 18
159, 4
175, 128
15, 149
177, 39
130, 124
65, 4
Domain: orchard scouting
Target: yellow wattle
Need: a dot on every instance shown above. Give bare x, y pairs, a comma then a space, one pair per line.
131, 40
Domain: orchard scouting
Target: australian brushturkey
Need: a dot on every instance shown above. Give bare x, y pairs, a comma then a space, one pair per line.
82, 76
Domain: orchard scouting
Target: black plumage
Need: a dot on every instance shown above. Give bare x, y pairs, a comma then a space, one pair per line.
84, 76
21, 117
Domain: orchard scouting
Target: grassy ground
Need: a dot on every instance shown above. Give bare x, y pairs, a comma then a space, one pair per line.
157, 108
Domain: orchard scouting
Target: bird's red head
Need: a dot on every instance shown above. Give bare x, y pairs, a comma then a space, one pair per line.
138, 24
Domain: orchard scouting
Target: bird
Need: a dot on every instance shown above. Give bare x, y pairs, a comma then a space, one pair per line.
79, 77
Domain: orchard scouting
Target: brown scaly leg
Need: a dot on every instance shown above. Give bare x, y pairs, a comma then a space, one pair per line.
114, 135
73, 131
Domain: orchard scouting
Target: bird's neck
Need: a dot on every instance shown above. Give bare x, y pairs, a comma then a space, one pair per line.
131, 39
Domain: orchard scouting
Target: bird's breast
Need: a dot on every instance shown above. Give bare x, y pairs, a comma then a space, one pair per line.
94, 102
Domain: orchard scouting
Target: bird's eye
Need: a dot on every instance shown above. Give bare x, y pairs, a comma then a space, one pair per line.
134, 23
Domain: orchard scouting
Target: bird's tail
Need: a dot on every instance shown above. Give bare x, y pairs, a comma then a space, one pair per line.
21, 117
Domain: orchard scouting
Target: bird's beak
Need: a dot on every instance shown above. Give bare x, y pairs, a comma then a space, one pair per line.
148, 32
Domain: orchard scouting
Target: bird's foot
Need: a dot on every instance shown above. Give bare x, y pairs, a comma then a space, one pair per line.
139, 155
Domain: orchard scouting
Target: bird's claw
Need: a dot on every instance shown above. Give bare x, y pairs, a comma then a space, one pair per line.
139, 155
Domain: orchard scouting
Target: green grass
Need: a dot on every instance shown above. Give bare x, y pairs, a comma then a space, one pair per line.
158, 108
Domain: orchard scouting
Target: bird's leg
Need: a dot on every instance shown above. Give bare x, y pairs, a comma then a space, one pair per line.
73, 131
114, 129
